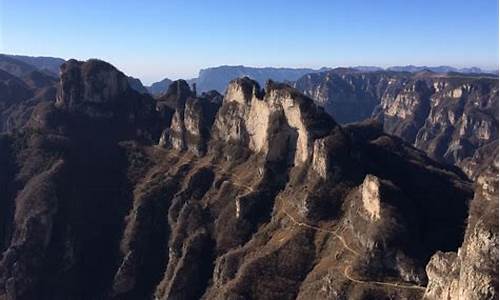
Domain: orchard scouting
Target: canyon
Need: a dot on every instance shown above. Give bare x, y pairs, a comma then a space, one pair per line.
452, 117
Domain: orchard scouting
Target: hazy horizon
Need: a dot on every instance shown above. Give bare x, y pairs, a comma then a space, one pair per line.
176, 39
148, 83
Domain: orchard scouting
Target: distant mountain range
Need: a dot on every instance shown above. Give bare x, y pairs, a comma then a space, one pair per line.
439, 69
19, 66
159, 87
216, 78
43, 63
414, 69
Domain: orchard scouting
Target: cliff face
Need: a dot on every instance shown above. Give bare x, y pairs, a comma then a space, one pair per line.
192, 120
472, 272
272, 122
450, 117
259, 194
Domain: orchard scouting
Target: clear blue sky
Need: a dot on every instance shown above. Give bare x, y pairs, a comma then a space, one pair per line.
175, 38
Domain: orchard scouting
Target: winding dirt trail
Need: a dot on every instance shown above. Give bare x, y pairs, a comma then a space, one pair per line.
345, 245
346, 272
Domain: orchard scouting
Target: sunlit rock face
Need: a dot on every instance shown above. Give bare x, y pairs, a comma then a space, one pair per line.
371, 196
171, 109
191, 117
190, 129
271, 120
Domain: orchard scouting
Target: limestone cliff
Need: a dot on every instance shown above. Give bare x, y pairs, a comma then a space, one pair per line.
271, 122
449, 116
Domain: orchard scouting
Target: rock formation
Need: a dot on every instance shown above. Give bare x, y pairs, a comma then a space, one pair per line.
371, 196
192, 121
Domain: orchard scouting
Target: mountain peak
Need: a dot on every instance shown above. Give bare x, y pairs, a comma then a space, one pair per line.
93, 81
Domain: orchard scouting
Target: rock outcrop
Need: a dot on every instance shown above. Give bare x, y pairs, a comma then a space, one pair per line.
370, 195
192, 117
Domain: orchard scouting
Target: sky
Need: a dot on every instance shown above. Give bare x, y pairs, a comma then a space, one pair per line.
152, 40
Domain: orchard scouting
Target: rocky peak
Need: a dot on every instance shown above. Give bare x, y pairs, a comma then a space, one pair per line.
177, 94
192, 117
93, 82
275, 123
243, 90
97, 90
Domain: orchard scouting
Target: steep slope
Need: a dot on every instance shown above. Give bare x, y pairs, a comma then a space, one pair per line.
261, 195
15, 67
19, 96
472, 272
450, 117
